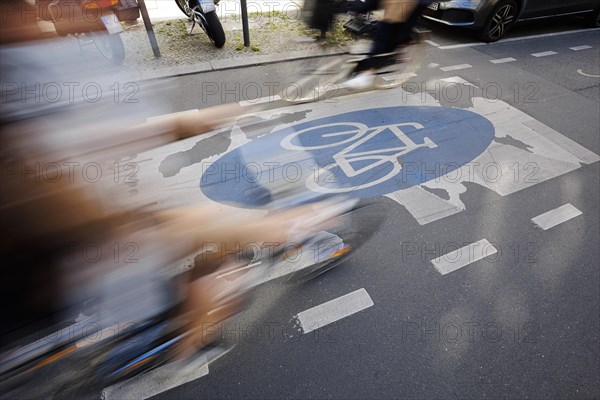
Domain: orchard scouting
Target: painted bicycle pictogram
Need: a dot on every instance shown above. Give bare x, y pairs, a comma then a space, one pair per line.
360, 153
359, 166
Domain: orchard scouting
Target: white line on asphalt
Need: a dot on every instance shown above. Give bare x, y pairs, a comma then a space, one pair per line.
157, 381
431, 42
544, 54
557, 216
580, 72
334, 310
503, 60
407, 75
464, 256
516, 39
455, 67
459, 46
267, 99
577, 48
546, 35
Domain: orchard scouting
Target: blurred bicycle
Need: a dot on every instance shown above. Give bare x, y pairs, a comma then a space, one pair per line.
331, 76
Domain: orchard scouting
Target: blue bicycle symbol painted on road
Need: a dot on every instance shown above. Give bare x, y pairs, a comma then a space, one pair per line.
362, 154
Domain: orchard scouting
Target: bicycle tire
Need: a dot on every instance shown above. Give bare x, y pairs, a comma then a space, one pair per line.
322, 78
359, 226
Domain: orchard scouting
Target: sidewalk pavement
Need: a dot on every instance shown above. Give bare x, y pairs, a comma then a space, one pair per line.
274, 37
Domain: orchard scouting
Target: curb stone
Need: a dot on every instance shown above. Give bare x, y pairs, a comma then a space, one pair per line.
226, 64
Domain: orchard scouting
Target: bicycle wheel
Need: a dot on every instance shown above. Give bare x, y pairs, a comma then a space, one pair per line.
406, 62
317, 79
323, 136
354, 228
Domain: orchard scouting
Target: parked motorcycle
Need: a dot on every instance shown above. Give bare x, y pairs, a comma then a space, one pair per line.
203, 13
90, 21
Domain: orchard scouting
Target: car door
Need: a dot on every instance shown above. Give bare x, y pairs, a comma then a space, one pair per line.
539, 8
571, 6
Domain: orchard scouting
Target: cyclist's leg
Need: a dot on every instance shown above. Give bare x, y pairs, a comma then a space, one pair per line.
384, 41
399, 16
405, 35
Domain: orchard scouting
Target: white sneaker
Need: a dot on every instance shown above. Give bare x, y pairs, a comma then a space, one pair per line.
363, 80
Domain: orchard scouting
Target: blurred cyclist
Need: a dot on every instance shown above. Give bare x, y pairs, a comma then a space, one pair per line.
42, 213
393, 31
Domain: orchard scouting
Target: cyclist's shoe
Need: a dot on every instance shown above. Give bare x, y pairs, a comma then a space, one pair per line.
362, 80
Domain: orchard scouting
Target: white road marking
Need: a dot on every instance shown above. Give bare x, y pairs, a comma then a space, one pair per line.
157, 381
459, 46
431, 42
503, 60
577, 48
267, 99
557, 216
544, 54
547, 35
516, 39
580, 72
334, 310
464, 256
399, 76
455, 67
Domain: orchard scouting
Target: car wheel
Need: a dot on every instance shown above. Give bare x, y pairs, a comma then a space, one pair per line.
499, 21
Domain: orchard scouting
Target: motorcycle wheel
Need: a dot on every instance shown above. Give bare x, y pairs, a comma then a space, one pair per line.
182, 4
110, 46
214, 29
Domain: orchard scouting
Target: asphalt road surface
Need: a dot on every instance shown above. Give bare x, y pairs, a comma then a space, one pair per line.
483, 280
463, 292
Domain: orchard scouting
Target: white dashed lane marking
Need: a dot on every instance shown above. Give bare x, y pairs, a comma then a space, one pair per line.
432, 43
268, 99
460, 46
407, 75
464, 256
557, 216
503, 60
334, 310
157, 381
577, 48
544, 54
455, 67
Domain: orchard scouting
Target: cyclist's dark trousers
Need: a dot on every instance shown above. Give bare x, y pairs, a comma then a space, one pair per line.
386, 38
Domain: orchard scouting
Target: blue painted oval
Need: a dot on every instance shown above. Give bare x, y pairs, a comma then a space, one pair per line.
455, 138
